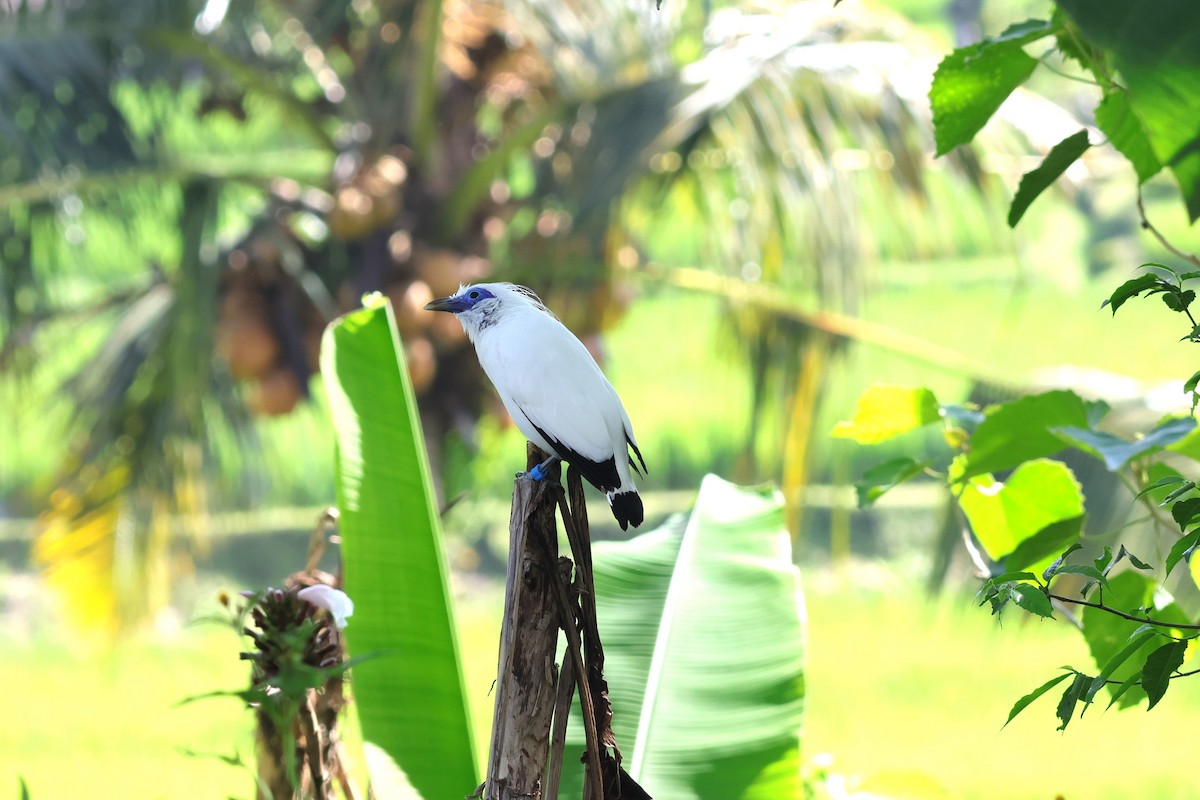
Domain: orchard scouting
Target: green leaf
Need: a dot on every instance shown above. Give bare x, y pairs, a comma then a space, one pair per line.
1031, 598
1038, 494
1115, 118
1180, 550
885, 476
1028, 699
410, 700
1131, 288
1135, 643
1178, 493
1070, 698
1036, 181
1087, 571
1135, 679
1155, 47
1051, 570
1107, 634
884, 412
1137, 562
1177, 300
724, 573
1021, 431
1156, 674
1046, 542
1167, 480
1117, 452
971, 82
1184, 512
1011, 577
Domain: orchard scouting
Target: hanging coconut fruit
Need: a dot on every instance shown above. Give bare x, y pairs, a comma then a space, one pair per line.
409, 304
243, 337
277, 392
422, 364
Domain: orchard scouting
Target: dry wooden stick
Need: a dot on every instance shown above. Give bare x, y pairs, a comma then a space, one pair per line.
558, 732
525, 685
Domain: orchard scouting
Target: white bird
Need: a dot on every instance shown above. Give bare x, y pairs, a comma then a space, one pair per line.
552, 388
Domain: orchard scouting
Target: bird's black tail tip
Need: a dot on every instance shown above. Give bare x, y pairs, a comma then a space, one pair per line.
627, 508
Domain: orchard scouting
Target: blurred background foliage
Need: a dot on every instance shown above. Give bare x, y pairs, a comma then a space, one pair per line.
195, 190
734, 204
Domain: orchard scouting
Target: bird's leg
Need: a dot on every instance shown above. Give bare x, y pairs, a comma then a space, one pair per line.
539, 472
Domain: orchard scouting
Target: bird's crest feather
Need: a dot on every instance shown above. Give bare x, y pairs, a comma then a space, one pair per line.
513, 293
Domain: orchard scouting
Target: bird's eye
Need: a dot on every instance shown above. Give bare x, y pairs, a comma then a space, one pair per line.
473, 294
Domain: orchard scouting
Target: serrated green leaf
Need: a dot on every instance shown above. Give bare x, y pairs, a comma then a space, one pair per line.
1190, 384
1184, 512
970, 84
1020, 431
1135, 643
1106, 633
1130, 288
1051, 570
1125, 133
1046, 542
1037, 180
1105, 561
885, 476
1003, 516
1180, 550
1028, 699
1156, 674
1117, 452
1176, 300
1070, 698
1031, 598
884, 412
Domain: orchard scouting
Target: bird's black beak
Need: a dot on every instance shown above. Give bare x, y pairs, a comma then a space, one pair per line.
451, 304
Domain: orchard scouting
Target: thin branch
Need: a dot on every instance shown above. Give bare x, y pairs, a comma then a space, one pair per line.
1045, 62
1160, 521
1163, 239
1144, 620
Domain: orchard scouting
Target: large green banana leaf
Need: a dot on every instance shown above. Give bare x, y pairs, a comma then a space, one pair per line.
703, 629
410, 694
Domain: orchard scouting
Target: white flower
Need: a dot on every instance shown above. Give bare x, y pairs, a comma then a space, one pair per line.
335, 601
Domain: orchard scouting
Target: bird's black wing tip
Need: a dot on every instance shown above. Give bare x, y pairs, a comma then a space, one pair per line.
627, 508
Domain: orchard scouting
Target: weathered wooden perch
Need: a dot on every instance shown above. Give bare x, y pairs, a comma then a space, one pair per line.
526, 675
525, 760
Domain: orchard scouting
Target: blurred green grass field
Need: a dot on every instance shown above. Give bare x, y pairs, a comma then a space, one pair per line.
896, 686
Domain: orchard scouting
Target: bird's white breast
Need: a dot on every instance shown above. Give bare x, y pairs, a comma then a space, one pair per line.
545, 376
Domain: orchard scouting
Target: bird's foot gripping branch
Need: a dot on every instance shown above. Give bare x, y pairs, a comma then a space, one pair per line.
541, 471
